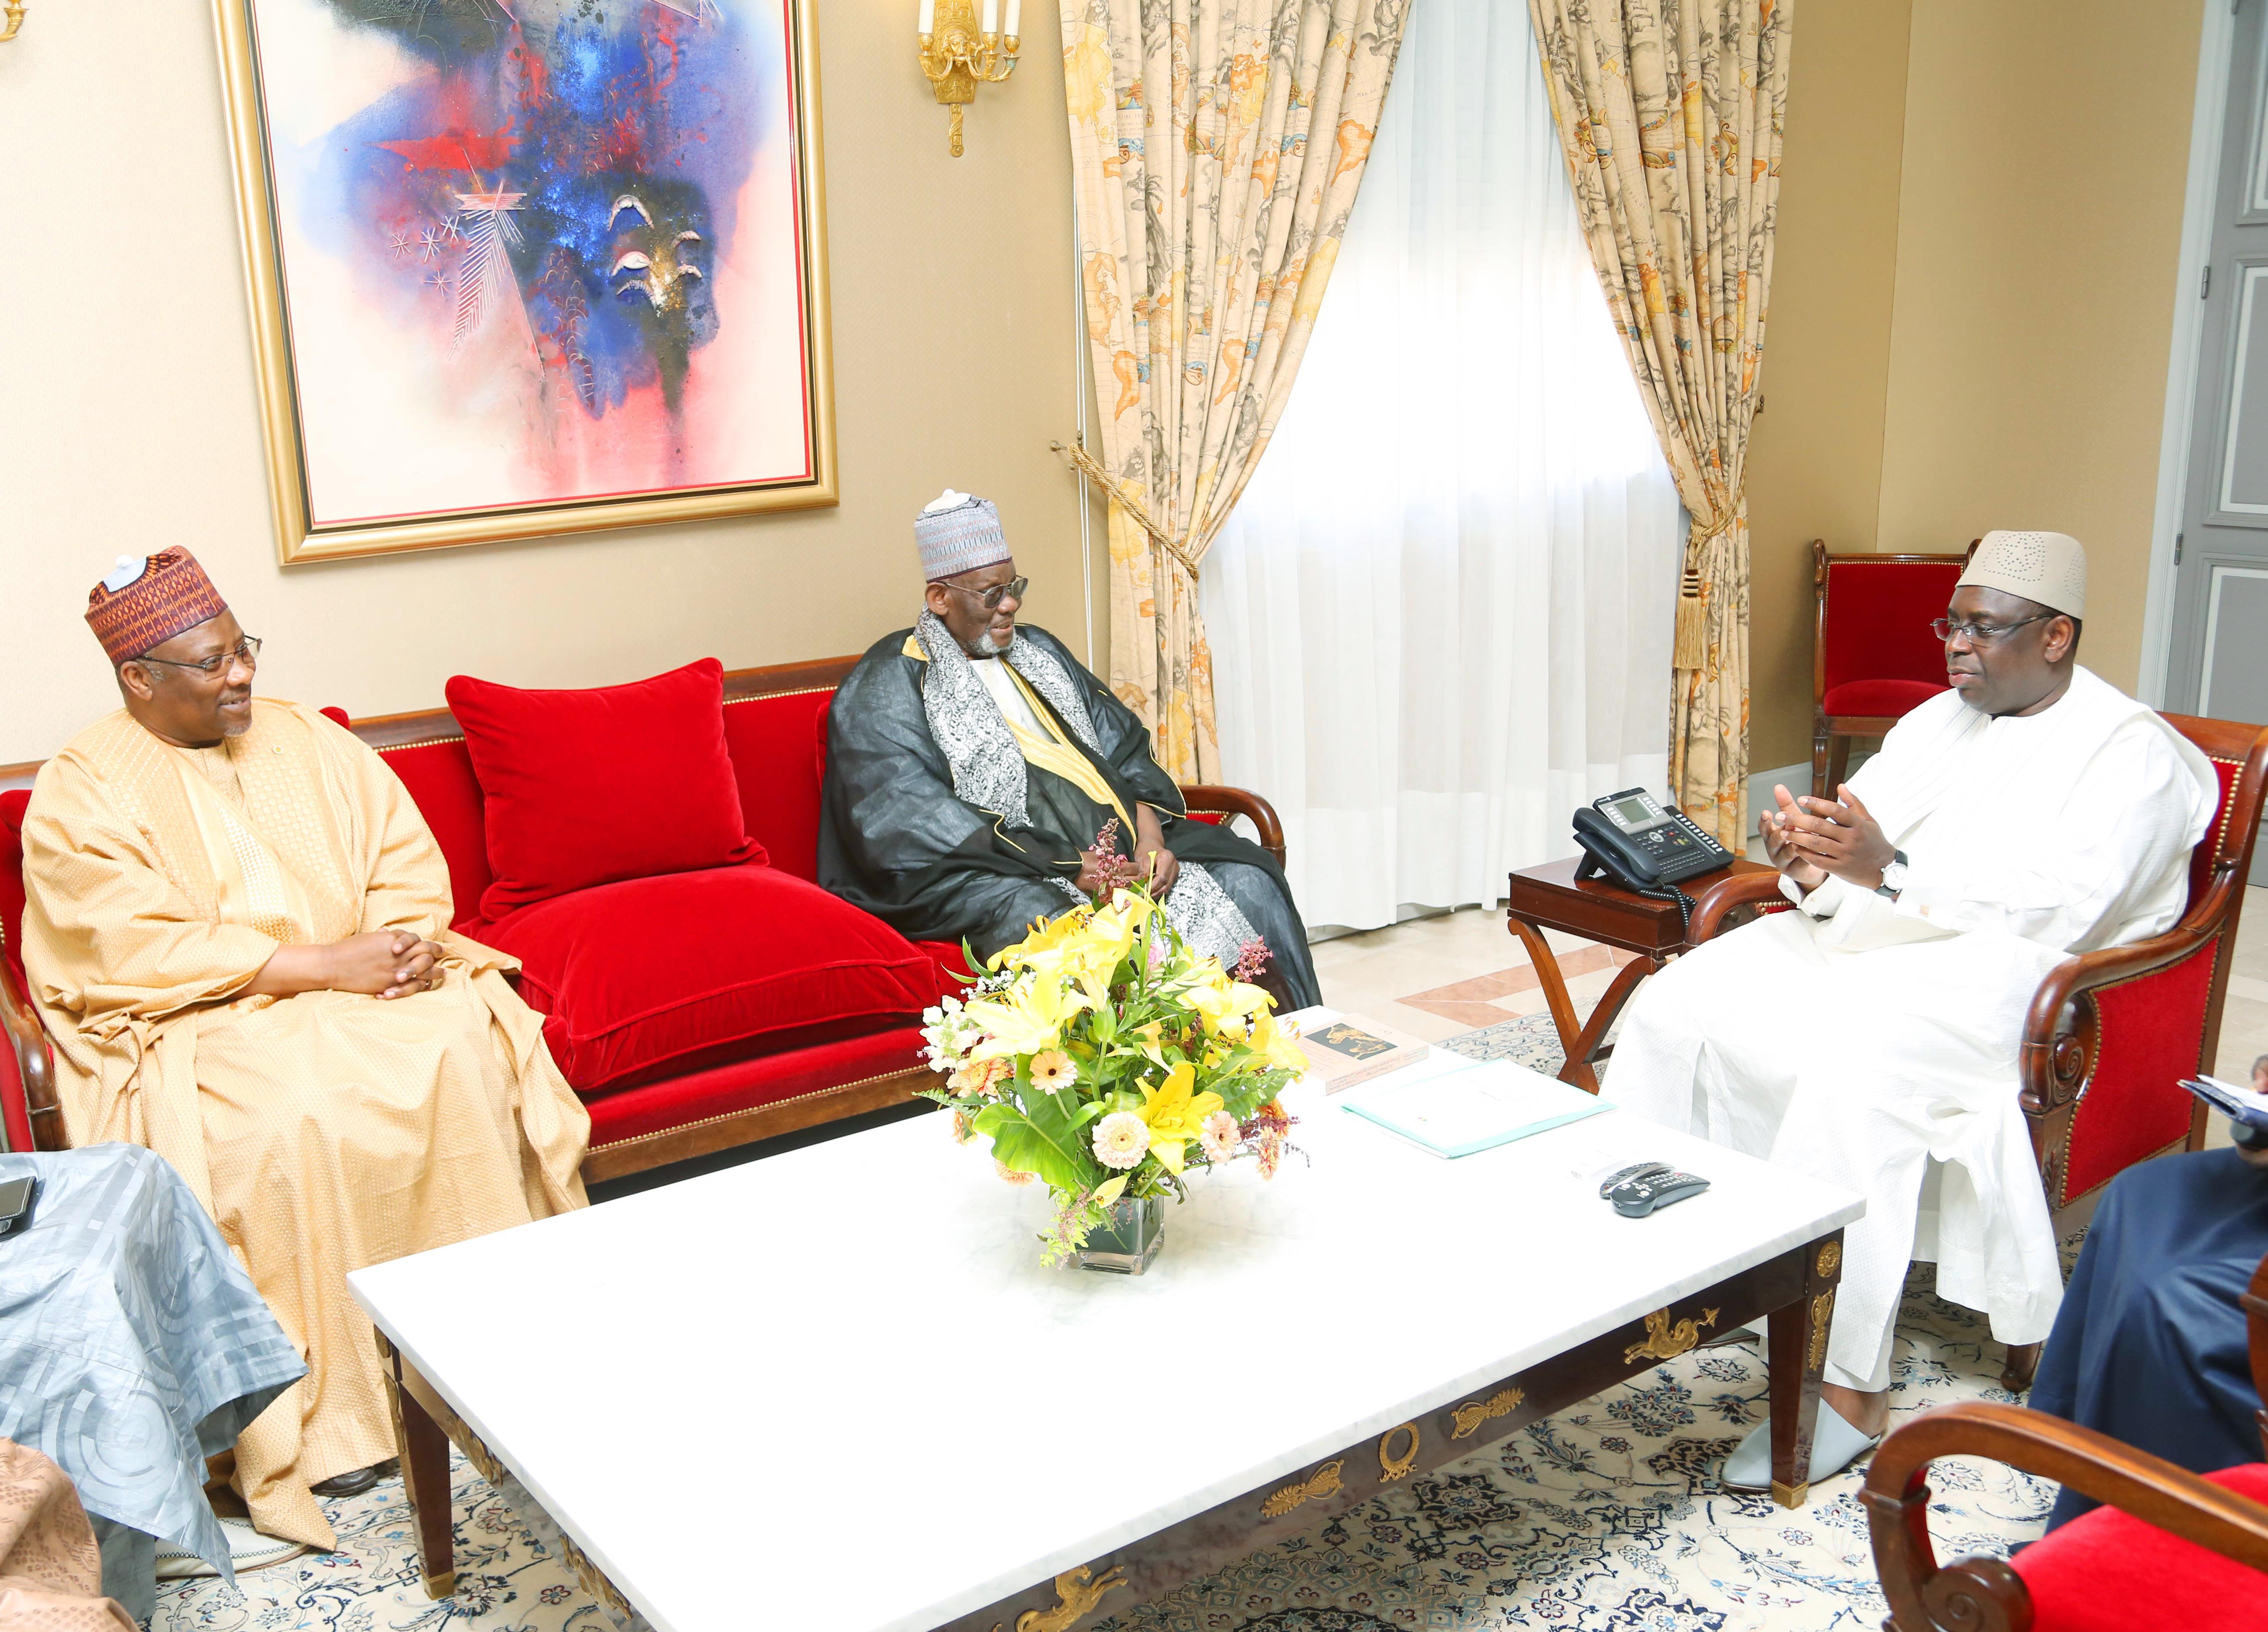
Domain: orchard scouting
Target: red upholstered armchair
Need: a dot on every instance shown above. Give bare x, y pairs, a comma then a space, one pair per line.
1874, 658
2167, 1549
2111, 1034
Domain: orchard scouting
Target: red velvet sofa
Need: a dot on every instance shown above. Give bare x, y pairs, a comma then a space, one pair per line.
692, 1011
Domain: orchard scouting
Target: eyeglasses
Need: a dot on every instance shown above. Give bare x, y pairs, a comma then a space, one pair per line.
1984, 634
993, 597
248, 648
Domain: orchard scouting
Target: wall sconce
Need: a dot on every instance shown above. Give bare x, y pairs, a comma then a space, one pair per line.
15, 20
956, 53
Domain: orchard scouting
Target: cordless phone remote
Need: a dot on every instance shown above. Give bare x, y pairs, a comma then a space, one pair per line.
1647, 1191
1638, 1170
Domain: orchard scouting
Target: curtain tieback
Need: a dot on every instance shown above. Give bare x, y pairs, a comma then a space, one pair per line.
1690, 645
1089, 465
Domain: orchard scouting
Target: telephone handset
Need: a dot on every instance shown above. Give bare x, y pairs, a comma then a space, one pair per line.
1630, 839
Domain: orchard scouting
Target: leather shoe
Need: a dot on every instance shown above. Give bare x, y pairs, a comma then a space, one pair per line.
1835, 1445
353, 1483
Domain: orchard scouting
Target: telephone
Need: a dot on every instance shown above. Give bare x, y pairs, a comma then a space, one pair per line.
1631, 839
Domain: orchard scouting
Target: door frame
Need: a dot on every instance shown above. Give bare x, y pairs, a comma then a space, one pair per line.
2185, 357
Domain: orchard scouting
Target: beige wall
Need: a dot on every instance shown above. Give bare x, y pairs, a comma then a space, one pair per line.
127, 417
2039, 226
1816, 452
1972, 301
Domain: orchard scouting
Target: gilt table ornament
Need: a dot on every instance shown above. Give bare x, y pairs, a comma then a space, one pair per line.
1105, 1058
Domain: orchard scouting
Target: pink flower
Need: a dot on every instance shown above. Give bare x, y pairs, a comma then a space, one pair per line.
1217, 1136
1009, 1175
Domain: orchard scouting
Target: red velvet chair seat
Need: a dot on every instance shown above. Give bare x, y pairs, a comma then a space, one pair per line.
652, 977
1882, 699
2109, 1571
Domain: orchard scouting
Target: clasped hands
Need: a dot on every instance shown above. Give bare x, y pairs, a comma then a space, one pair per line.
1809, 838
383, 963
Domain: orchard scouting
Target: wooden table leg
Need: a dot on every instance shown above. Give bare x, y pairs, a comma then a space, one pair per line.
1555, 997
425, 1477
1578, 1041
1797, 1350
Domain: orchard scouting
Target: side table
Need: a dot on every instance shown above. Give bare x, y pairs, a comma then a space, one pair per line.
1550, 897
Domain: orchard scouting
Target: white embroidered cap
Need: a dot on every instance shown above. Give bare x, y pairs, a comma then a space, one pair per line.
2049, 568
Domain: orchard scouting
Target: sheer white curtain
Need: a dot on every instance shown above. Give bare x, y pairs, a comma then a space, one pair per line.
1440, 617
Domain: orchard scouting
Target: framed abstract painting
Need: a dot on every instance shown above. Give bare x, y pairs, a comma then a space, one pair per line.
528, 267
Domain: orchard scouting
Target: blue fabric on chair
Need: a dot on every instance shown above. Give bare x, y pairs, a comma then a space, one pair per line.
2149, 1347
132, 1346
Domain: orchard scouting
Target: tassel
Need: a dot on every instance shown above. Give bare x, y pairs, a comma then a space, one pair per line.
1689, 647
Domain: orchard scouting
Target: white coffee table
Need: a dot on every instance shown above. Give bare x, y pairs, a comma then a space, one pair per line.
834, 1387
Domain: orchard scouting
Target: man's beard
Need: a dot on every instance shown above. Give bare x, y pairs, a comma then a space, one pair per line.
987, 645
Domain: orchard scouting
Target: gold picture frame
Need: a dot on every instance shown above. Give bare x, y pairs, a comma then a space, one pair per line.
303, 534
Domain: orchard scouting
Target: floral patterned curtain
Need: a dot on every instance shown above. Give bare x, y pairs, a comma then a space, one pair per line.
1670, 115
1216, 146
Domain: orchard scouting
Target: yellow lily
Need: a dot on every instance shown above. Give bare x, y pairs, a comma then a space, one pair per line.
1175, 1114
1028, 1017
1045, 937
1275, 1044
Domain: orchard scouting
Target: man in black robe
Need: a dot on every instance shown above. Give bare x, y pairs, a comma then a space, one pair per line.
2150, 1344
974, 769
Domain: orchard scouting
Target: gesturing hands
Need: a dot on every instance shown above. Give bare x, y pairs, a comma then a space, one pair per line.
1809, 838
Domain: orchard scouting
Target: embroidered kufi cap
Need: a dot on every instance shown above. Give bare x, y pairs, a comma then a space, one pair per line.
959, 533
2049, 568
145, 602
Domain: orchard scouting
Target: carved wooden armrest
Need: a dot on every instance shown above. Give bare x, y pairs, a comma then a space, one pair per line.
35, 1067
1987, 1593
1238, 801
1727, 896
2062, 1029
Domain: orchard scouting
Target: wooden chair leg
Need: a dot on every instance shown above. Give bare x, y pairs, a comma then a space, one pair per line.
1838, 765
1819, 744
2024, 1362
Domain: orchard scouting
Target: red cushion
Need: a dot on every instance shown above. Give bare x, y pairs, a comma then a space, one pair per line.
1884, 699
635, 1114
1878, 617
585, 788
439, 778
651, 976
770, 740
2108, 1571
953, 973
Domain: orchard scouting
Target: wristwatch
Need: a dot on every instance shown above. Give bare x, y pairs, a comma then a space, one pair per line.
1894, 875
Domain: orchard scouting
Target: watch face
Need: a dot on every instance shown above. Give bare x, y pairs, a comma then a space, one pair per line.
1894, 876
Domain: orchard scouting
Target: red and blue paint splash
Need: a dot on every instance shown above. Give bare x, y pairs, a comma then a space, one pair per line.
578, 162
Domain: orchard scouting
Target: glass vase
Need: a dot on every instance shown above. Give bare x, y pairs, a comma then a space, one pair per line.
1126, 1242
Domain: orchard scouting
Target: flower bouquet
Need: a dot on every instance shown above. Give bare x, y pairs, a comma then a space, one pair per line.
1103, 1057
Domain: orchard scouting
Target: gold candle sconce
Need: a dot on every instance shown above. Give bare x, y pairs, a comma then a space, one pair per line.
959, 48
15, 20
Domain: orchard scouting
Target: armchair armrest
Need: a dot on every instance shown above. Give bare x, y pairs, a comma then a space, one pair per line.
35, 1068
1986, 1591
1238, 801
2061, 1031
1727, 896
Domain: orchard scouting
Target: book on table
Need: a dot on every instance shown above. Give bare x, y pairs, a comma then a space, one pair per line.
1454, 1107
1348, 1049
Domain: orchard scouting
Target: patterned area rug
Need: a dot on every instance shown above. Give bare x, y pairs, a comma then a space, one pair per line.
1606, 1519
1531, 1040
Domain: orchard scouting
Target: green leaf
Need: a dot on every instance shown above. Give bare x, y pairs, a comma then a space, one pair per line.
1041, 1140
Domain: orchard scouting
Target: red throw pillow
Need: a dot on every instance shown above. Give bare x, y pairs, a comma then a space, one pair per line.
585, 788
